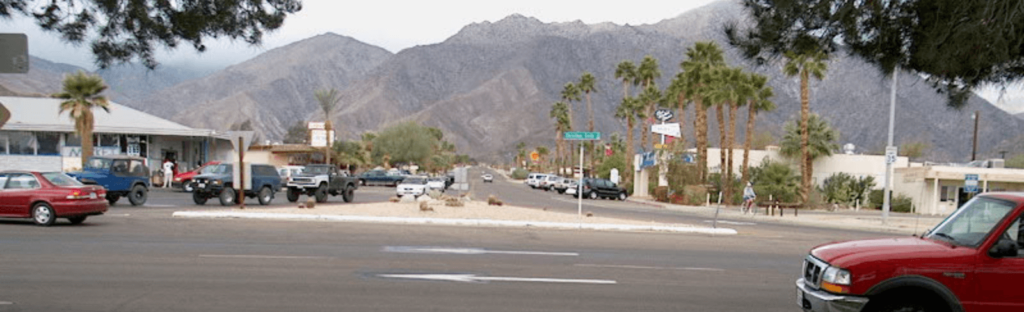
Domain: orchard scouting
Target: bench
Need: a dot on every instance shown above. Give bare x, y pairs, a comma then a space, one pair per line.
781, 206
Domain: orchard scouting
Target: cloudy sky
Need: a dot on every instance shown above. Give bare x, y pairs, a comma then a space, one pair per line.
397, 25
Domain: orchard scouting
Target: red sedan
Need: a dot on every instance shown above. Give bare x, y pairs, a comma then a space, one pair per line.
46, 196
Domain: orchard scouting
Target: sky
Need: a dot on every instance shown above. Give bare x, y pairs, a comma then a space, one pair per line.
397, 25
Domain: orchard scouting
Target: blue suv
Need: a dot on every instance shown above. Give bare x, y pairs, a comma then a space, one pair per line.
122, 176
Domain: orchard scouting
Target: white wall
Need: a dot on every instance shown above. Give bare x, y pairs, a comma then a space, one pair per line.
855, 165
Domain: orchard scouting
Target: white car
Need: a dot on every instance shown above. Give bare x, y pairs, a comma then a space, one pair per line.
488, 178
548, 183
436, 183
533, 180
414, 186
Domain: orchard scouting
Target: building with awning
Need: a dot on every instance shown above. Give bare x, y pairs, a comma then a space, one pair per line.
38, 138
940, 190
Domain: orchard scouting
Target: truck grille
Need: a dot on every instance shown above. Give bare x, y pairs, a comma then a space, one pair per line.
302, 180
812, 271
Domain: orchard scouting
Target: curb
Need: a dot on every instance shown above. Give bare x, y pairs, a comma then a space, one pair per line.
452, 222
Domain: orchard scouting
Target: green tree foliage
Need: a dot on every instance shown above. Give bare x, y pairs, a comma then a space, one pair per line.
351, 153
914, 150
821, 142
618, 161
701, 61
80, 95
406, 142
120, 31
842, 188
297, 134
958, 45
1015, 162
777, 180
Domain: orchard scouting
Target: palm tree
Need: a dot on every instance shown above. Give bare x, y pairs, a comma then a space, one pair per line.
571, 93
560, 112
520, 153
760, 102
626, 71
821, 142
648, 100
587, 85
627, 110
327, 100
542, 151
676, 93
81, 95
730, 89
806, 65
702, 59
646, 74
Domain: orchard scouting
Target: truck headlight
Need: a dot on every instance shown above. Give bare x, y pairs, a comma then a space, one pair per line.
217, 182
836, 280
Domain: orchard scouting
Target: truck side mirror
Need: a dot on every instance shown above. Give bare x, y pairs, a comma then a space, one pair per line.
1003, 248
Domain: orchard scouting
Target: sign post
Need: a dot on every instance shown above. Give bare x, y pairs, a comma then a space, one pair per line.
890, 158
241, 140
581, 136
971, 183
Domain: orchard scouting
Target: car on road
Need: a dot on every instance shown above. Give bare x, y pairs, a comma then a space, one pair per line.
562, 185
548, 183
322, 180
533, 179
971, 261
380, 177
287, 172
437, 183
47, 196
183, 180
121, 176
488, 178
219, 183
572, 188
602, 188
414, 185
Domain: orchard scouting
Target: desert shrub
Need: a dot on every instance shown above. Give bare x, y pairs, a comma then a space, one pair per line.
493, 200
310, 203
604, 170
899, 202
776, 180
661, 194
695, 195
434, 193
453, 202
425, 206
844, 189
394, 199
717, 185
520, 174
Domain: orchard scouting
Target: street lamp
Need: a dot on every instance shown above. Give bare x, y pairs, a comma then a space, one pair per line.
974, 149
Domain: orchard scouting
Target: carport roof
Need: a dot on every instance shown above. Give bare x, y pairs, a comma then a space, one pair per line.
40, 114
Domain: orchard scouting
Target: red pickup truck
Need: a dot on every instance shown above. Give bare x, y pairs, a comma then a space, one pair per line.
973, 261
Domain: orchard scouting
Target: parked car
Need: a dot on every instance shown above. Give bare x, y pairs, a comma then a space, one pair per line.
562, 185
218, 183
414, 185
971, 261
287, 172
46, 196
322, 180
184, 179
119, 175
533, 179
572, 188
548, 183
488, 178
601, 188
437, 183
380, 177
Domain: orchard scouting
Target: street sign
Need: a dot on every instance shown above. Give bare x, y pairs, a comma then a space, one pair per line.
576, 135
5, 115
316, 125
647, 160
13, 54
319, 138
971, 183
890, 155
535, 156
670, 129
663, 115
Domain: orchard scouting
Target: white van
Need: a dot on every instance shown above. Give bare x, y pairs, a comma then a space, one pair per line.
533, 180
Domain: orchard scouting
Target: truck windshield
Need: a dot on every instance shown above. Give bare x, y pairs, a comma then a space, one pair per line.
221, 169
970, 224
98, 163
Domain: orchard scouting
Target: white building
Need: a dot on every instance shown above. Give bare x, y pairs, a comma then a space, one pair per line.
37, 138
824, 167
941, 189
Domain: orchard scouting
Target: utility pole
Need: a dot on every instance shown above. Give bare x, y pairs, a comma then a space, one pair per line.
888, 164
974, 149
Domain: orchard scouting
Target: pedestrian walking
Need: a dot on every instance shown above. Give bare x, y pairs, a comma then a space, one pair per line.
168, 172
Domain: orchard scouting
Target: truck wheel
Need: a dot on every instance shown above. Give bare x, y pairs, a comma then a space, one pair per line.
111, 198
265, 195
199, 198
186, 186
137, 196
321, 194
227, 197
293, 194
348, 194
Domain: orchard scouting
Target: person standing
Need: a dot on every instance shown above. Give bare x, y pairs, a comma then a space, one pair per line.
748, 197
168, 172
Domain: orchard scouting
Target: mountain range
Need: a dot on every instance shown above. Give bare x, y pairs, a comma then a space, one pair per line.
491, 85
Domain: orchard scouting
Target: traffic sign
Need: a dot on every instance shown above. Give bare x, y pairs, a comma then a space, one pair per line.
670, 129
577, 135
663, 115
971, 183
890, 154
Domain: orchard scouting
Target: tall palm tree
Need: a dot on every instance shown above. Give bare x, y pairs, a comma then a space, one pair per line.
520, 153
560, 112
730, 90
627, 110
821, 141
626, 71
648, 100
571, 93
645, 75
702, 59
327, 100
806, 65
81, 94
676, 93
587, 86
760, 102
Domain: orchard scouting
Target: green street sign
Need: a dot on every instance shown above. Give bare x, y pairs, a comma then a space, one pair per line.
5, 115
582, 135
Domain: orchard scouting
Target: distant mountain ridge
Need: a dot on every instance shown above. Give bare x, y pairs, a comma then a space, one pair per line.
492, 84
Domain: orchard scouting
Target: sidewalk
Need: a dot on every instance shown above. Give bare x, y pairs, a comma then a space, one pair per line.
863, 220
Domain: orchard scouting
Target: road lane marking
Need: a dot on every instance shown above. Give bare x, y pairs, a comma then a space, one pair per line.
472, 278
6, 303
641, 267
472, 251
261, 257
730, 222
160, 206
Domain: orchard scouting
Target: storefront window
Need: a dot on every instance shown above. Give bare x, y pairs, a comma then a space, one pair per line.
108, 140
3, 144
49, 143
72, 139
21, 143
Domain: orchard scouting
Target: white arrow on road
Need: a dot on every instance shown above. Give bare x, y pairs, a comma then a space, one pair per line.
472, 278
473, 251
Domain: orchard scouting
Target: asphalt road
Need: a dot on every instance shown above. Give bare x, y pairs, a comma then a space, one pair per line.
141, 259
